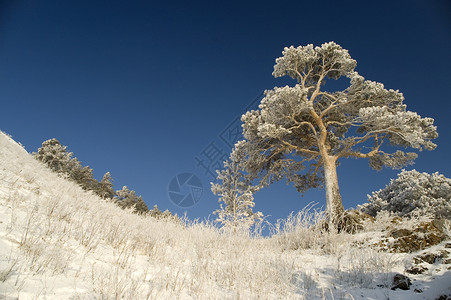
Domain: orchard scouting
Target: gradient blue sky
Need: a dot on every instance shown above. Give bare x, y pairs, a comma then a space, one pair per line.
140, 88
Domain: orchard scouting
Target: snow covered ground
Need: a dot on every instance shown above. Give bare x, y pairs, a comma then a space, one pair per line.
60, 242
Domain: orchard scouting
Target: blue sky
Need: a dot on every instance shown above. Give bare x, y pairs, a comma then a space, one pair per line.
142, 88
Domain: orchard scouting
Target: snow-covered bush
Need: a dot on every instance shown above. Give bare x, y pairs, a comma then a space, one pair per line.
413, 193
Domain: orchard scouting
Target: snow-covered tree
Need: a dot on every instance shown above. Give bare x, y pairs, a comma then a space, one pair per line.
126, 198
59, 160
413, 192
301, 132
81, 175
54, 155
105, 187
156, 213
236, 194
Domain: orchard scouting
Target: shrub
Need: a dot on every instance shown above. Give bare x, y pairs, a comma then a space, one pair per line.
413, 193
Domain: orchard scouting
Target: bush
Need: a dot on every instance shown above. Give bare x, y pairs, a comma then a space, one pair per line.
413, 193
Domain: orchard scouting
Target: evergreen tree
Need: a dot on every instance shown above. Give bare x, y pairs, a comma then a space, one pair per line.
105, 187
54, 155
236, 193
303, 132
156, 213
59, 160
81, 175
126, 198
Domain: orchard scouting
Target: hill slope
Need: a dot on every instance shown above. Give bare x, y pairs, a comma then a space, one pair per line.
58, 241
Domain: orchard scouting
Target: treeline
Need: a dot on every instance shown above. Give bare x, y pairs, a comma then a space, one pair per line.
58, 159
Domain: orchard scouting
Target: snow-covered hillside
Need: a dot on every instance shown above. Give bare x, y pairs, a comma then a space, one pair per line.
58, 241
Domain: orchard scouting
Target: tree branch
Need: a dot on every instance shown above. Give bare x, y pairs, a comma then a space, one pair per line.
377, 145
317, 165
338, 123
304, 123
360, 154
303, 150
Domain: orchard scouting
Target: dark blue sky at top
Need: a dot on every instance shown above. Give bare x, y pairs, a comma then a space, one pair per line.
141, 88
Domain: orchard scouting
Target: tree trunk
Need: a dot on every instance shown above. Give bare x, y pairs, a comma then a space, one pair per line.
334, 206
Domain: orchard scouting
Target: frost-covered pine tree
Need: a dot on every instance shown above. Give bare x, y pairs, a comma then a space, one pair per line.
301, 132
413, 192
236, 194
126, 198
54, 155
155, 212
158, 214
81, 175
105, 187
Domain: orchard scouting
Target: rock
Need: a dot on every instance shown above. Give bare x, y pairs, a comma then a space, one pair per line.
444, 297
441, 224
444, 255
396, 220
400, 233
406, 244
431, 258
401, 282
416, 270
427, 234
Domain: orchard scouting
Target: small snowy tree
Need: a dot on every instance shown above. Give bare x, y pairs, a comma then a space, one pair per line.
105, 187
302, 132
413, 192
236, 193
54, 155
81, 175
158, 214
126, 198
155, 212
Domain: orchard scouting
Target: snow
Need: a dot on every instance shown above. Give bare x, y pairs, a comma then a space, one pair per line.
60, 242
